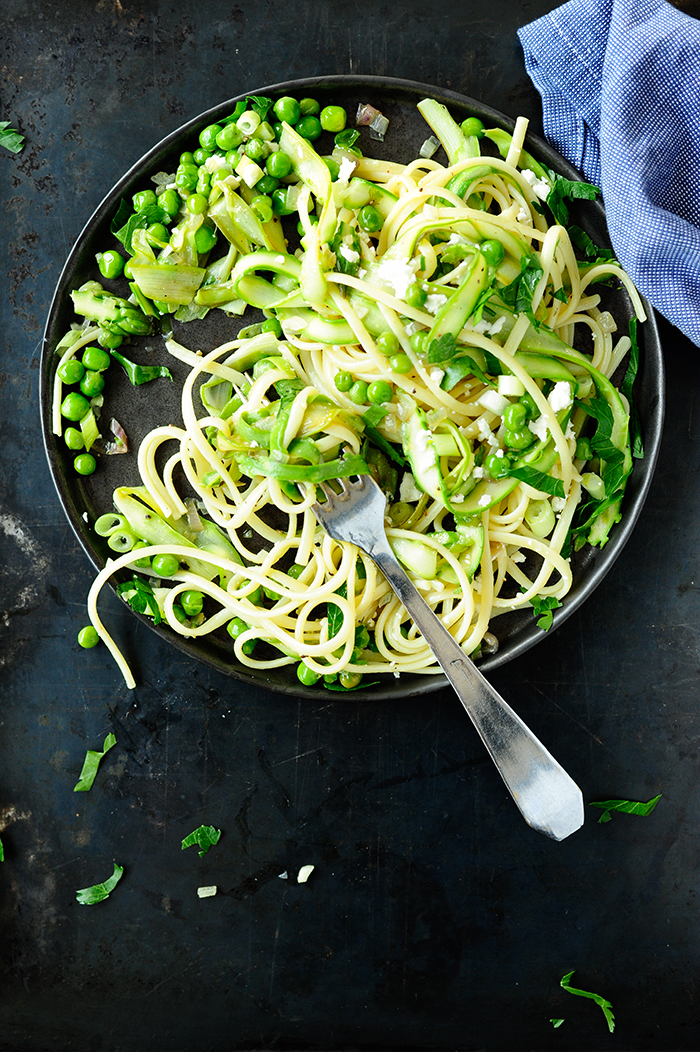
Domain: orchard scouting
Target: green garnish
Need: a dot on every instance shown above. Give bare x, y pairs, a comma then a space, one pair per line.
90, 765
2, 852
544, 607
139, 595
518, 295
601, 1001
538, 480
141, 374
259, 104
628, 807
442, 349
203, 838
556, 1023
99, 892
10, 138
626, 390
564, 189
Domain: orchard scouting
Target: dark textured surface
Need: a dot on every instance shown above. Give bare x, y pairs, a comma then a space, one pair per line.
434, 917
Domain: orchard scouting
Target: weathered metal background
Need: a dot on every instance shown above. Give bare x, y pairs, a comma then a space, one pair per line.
434, 918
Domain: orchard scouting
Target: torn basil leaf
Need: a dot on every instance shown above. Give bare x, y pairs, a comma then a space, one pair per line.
90, 765
601, 1001
203, 838
628, 807
568, 189
99, 892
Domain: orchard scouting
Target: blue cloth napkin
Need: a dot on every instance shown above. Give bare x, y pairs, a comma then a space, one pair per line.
620, 87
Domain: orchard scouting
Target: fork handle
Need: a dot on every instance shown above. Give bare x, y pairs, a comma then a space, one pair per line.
548, 799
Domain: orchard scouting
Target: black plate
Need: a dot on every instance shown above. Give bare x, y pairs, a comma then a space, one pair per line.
139, 409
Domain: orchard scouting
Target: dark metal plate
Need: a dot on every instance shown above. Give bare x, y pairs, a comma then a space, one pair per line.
140, 409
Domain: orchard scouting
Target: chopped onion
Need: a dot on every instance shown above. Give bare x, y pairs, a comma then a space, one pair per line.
371, 116
193, 519
430, 146
121, 442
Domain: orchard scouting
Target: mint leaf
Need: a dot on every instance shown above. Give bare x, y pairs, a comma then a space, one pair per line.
335, 614
91, 763
99, 892
538, 480
442, 349
568, 189
10, 138
138, 221
203, 838
543, 607
259, 104
588, 248
601, 1001
139, 595
628, 807
461, 367
518, 295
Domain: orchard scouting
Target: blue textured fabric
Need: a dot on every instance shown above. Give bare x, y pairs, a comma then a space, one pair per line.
620, 87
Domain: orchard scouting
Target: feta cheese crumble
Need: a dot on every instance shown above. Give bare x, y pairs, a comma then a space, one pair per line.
540, 187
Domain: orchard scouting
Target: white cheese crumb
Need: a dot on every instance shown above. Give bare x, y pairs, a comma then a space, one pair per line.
458, 239
207, 892
398, 274
558, 504
408, 491
436, 375
560, 396
283, 876
478, 473
434, 302
347, 167
523, 215
483, 428
350, 254
304, 874
484, 501
539, 186
497, 325
538, 428
458, 498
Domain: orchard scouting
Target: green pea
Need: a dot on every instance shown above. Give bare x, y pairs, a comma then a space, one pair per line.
197, 204
279, 201
186, 178
110, 263
277, 130
165, 565
85, 463
267, 184
295, 571
236, 627
584, 449
207, 136
96, 359
73, 438
71, 372
520, 439
472, 126
192, 602
278, 164
370, 219
287, 109
88, 637
187, 157
333, 118
272, 325
416, 295
492, 251
358, 392
203, 183
350, 679
306, 675
256, 150
531, 407
515, 417
143, 199
400, 363
201, 156
309, 128
388, 344
418, 341
497, 467
343, 381
262, 206
92, 383
111, 340
232, 158
219, 175
379, 392
332, 166
128, 273
313, 219
309, 107
74, 406
229, 137
170, 201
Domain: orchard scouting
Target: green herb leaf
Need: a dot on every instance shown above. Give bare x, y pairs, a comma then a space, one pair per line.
10, 138
543, 607
90, 765
139, 221
518, 295
335, 614
560, 295
2, 852
259, 104
568, 189
141, 374
139, 595
601, 1001
203, 838
626, 390
383, 444
556, 1023
587, 246
538, 480
461, 367
374, 415
442, 349
238, 112
628, 807
99, 892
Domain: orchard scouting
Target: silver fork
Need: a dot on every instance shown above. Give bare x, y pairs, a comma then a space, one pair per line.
548, 799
